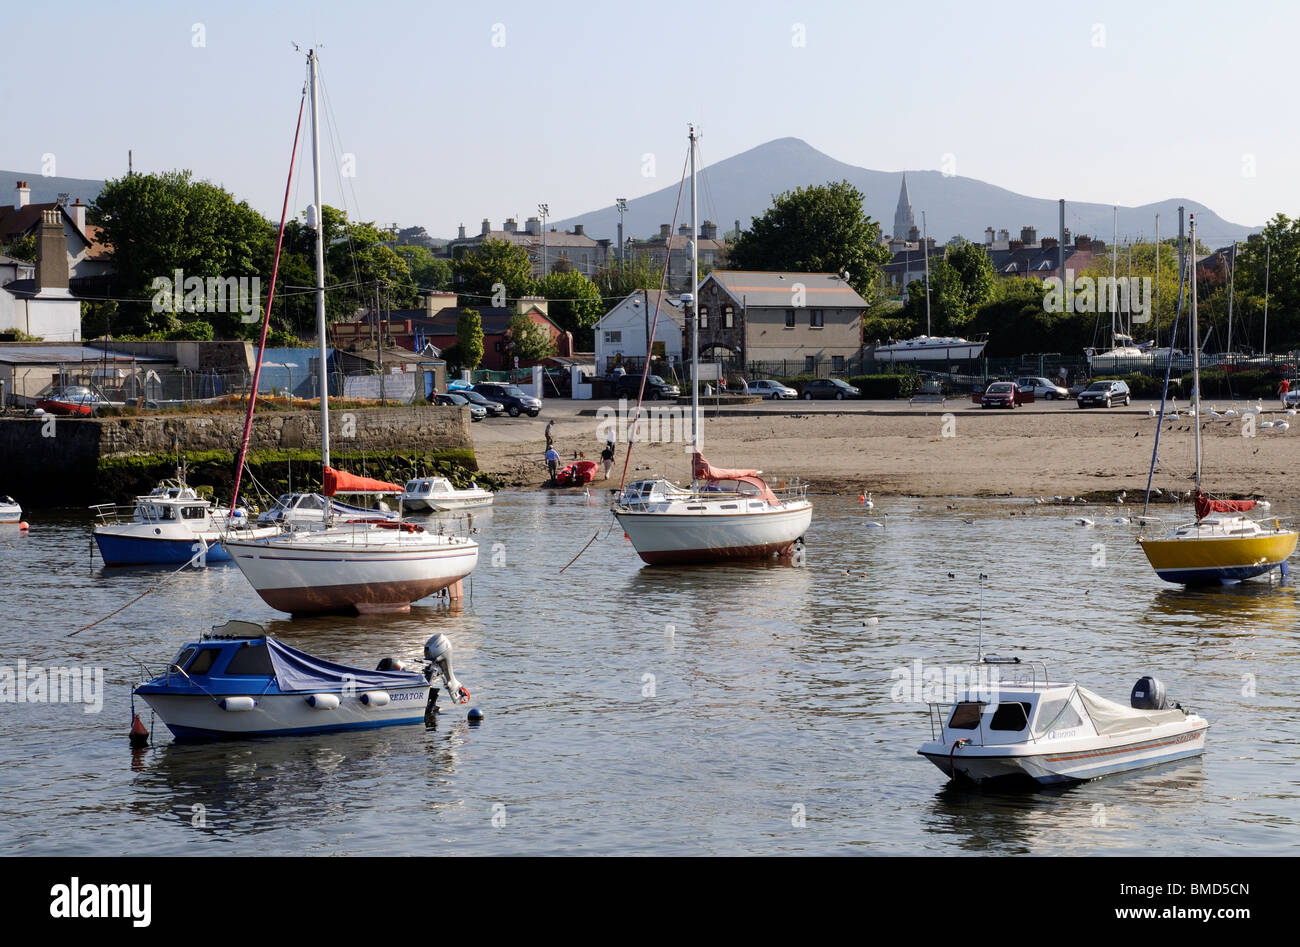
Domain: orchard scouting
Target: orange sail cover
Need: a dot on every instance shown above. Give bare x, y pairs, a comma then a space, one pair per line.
701, 469
1205, 506
340, 481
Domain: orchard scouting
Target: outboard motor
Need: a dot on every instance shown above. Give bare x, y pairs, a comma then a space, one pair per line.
391, 664
438, 652
1148, 694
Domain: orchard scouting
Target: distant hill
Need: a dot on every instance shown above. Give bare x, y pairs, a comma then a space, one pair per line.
741, 187
44, 190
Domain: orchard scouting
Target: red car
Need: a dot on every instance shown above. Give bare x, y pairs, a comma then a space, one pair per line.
1000, 394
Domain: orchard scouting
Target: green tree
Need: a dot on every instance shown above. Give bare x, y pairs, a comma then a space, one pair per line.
160, 223
974, 270
527, 340
469, 338
494, 263
427, 271
575, 305
819, 229
613, 283
22, 249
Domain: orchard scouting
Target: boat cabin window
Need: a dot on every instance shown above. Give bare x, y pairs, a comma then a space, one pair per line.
965, 716
202, 662
193, 512
251, 659
183, 657
1012, 716
1056, 715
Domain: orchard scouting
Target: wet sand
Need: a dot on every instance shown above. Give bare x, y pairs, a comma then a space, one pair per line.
956, 449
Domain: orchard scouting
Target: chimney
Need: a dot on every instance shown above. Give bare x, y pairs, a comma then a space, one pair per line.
684, 229
533, 226
988, 236
512, 225
51, 254
737, 227
577, 230
486, 228
461, 234
1004, 235
708, 230
24, 196
1028, 236
78, 213
1082, 242
665, 230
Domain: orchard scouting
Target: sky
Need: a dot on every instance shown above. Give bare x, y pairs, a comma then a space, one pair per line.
442, 113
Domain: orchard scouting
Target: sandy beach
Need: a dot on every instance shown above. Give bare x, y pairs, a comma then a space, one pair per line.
955, 449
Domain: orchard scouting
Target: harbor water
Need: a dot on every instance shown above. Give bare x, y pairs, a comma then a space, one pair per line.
630, 710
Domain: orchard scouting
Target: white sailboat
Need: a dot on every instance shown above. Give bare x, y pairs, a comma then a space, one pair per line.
726, 514
365, 566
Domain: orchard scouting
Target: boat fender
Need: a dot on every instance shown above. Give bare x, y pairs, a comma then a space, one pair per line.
323, 701
475, 715
375, 698
234, 704
139, 736
1148, 694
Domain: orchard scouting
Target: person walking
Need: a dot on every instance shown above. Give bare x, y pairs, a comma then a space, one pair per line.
1283, 388
549, 442
552, 462
607, 458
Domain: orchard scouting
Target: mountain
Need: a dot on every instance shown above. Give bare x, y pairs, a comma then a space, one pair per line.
44, 190
741, 187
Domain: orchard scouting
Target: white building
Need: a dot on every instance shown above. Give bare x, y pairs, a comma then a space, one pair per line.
39, 305
622, 332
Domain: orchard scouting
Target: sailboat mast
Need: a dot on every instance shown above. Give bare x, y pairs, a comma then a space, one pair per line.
695, 320
925, 249
1156, 343
1196, 361
322, 370
1232, 272
1114, 271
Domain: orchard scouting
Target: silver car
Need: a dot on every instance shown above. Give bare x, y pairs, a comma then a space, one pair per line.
1043, 388
767, 388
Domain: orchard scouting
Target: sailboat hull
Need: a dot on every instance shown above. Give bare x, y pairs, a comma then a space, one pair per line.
681, 539
302, 578
1194, 561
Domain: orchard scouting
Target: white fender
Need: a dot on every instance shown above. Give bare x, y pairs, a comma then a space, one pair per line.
323, 701
237, 703
375, 698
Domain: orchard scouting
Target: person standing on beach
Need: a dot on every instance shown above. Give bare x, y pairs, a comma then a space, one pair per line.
1282, 389
607, 458
549, 442
552, 462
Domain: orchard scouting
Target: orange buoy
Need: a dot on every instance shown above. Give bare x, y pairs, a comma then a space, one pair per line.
23, 527
139, 735
862, 498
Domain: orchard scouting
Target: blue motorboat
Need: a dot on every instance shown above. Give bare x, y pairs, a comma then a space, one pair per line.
239, 681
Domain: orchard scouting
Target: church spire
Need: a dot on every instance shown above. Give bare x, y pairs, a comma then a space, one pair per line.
904, 222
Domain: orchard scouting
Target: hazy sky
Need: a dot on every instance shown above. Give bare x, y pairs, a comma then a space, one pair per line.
459, 111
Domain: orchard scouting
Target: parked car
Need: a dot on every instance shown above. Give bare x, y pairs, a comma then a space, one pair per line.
1104, 394
767, 388
656, 389
836, 388
1000, 394
1042, 387
476, 411
493, 408
511, 397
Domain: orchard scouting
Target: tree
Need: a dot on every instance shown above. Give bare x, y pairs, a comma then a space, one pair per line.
469, 338
575, 305
23, 249
160, 223
614, 282
975, 272
427, 271
820, 229
494, 266
529, 341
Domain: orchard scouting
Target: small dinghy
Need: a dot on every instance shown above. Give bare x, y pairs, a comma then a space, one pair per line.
239, 681
11, 514
1054, 733
576, 473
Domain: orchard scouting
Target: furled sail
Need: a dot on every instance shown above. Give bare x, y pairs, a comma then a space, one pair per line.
340, 481
1205, 505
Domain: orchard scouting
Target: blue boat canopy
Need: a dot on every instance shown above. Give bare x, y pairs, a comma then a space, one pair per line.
298, 671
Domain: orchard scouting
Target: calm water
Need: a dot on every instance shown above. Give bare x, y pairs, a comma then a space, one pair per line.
773, 694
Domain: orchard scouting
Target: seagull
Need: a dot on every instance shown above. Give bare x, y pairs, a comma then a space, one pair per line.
1151, 412
1230, 413
1084, 521
1268, 423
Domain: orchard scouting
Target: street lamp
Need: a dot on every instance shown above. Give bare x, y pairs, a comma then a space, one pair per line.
543, 211
621, 204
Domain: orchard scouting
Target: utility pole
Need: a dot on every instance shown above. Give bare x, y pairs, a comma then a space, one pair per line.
621, 204
543, 210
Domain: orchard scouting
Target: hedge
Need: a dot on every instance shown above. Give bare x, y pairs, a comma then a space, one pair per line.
1253, 383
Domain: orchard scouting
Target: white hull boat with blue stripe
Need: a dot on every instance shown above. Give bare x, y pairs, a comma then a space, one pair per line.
249, 684
10, 512
1053, 733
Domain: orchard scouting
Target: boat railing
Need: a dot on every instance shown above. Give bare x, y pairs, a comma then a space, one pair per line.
114, 514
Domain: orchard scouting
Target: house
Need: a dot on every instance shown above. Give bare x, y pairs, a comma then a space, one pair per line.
29, 368
675, 249
908, 263
750, 316
89, 259
1042, 261
580, 251
622, 332
406, 375
40, 305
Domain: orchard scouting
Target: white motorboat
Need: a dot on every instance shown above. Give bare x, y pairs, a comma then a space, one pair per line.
1029, 727
926, 348
11, 514
437, 495
170, 525
727, 514
240, 682
1123, 356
